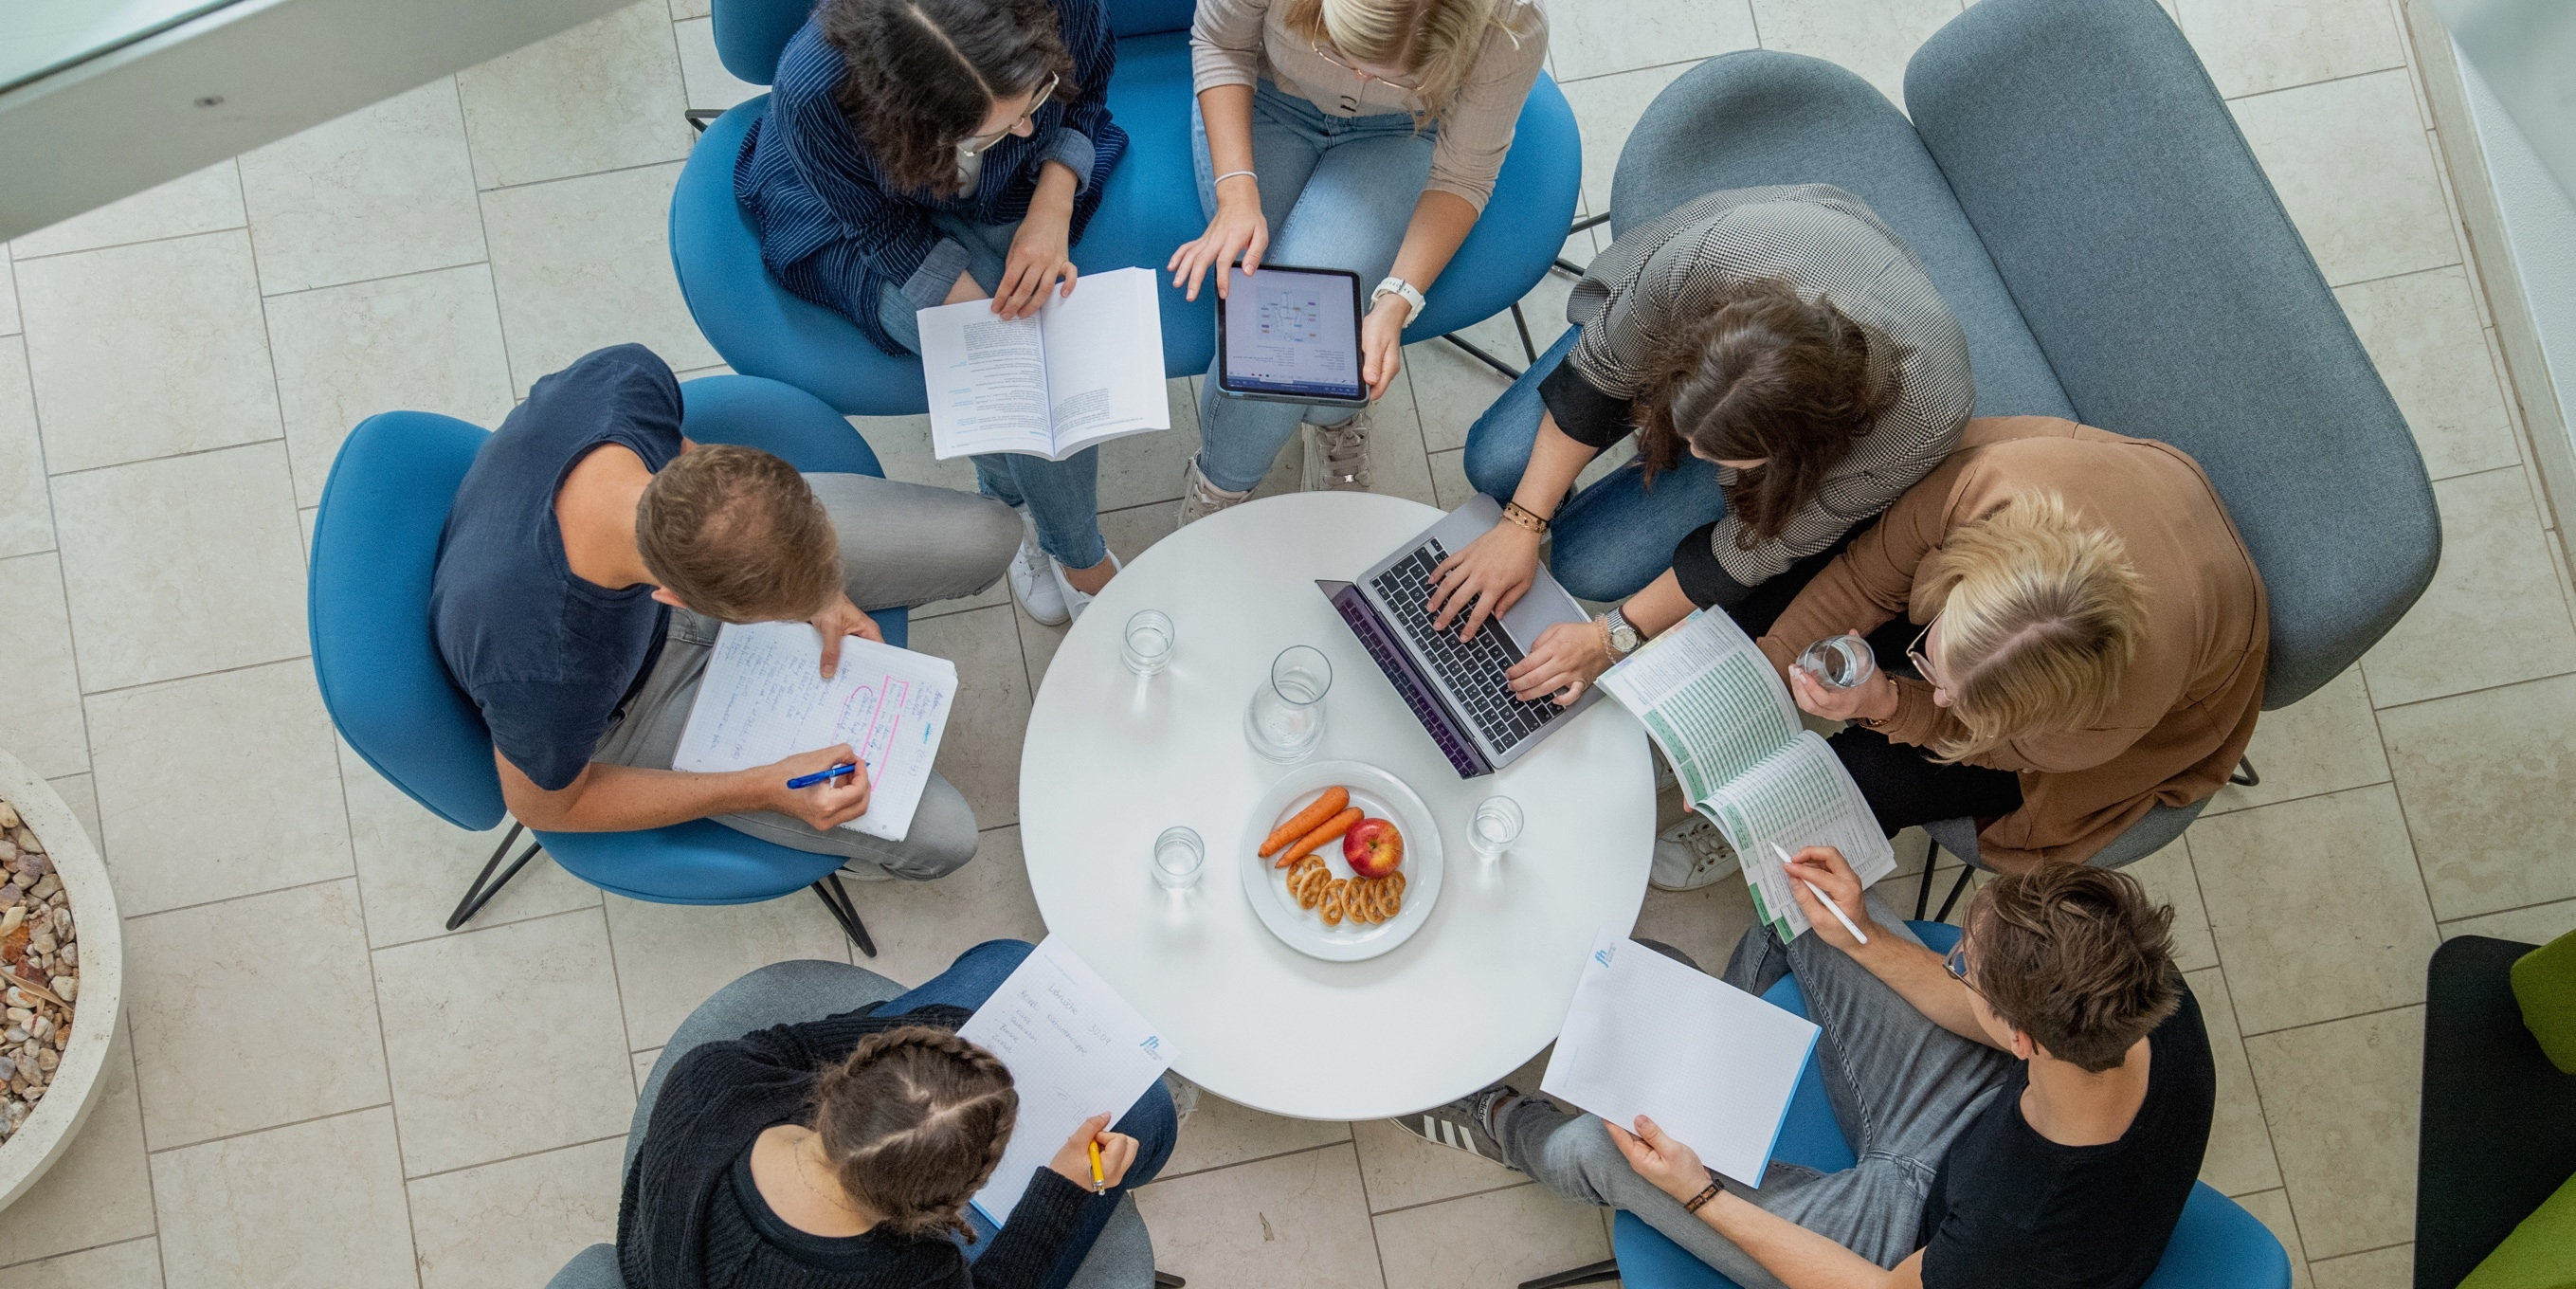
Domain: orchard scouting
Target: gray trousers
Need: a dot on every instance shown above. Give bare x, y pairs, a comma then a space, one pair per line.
1902, 1087
901, 544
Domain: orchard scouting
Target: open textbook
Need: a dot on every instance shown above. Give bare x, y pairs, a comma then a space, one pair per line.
1086, 368
1712, 703
1074, 1049
763, 699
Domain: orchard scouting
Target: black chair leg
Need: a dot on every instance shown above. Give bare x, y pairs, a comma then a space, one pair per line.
698, 117
2245, 777
1923, 888
836, 897
1597, 1273
1520, 321
1166, 1280
1956, 887
485, 886
1481, 356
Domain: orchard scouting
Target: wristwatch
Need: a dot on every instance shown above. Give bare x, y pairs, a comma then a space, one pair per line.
1622, 638
1402, 290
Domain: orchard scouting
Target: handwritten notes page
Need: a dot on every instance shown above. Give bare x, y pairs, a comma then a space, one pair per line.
763, 698
1711, 1064
1074, 1049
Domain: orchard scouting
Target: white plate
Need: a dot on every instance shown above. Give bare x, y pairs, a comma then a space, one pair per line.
1382, 796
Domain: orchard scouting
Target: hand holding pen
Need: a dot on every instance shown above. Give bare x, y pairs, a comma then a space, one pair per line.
826, 787
1829, 863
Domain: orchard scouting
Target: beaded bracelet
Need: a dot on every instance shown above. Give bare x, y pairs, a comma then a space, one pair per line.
1523, 517
1697, 1201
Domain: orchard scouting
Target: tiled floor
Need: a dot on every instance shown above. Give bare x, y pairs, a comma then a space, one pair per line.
324, 1089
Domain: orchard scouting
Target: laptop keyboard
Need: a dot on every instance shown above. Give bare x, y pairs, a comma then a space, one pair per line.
1473, 670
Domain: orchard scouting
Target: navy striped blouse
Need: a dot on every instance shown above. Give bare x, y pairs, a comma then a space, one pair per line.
833, 232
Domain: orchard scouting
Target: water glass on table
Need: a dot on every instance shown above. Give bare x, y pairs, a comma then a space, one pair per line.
1286, 718
1497, 824
1148, 647
1178, 858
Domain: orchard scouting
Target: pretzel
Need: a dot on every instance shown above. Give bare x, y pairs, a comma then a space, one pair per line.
1303, 884
1336, 901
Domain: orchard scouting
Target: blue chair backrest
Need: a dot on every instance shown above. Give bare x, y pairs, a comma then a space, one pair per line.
751, 33
375, 543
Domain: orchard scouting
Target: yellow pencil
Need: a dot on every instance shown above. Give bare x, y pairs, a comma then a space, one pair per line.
1099, 1184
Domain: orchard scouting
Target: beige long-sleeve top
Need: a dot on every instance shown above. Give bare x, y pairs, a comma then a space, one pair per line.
1245, 42
2186, 707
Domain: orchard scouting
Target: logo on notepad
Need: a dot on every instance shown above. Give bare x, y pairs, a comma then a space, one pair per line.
1601, 956
1153, 1044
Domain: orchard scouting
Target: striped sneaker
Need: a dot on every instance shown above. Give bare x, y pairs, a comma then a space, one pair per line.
1460, 1125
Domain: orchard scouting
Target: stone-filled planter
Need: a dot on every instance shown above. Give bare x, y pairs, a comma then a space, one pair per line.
56, 1118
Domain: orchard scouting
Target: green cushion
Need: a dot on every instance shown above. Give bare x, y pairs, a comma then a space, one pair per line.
2544, 982
2540, 1254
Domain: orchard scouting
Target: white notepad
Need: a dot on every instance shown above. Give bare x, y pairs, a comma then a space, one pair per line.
1085, 369
1074, 1049
763, 699
1711, 1064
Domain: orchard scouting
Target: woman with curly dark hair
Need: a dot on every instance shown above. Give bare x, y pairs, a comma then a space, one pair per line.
926, 152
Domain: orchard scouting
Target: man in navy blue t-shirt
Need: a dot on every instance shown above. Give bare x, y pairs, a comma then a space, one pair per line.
590, 555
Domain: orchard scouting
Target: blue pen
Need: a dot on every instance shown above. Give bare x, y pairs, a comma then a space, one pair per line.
809, 780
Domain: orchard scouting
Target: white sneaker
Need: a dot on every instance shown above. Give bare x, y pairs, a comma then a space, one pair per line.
1031, 582
1337, 457
1076, 601
1689, 855
1200, 498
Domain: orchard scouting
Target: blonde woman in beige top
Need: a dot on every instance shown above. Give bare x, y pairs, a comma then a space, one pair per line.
1348, 134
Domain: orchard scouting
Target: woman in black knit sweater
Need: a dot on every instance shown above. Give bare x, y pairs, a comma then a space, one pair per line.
840, 1153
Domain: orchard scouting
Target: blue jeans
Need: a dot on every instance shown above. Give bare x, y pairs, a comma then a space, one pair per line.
1063, 496
1338, 192
1618, 534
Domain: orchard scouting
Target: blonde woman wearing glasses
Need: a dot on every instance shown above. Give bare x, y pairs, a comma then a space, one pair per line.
1362, 135
926, 152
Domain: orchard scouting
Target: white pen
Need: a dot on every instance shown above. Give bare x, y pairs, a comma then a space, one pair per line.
1839, 915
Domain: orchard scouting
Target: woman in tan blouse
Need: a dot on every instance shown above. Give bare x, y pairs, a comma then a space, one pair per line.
2092, 640
1362, 135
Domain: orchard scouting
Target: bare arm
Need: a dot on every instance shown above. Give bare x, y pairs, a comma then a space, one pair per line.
1441, 220
1917, 974
1798, 1257
620, 798
1238, 227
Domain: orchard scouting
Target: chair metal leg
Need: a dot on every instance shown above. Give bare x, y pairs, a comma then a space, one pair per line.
1166, 1280
1597, 1273
1529, 351
836, 897
1481, 356
2245, 777
1923, 888
485, 886
1956, 887
697, 117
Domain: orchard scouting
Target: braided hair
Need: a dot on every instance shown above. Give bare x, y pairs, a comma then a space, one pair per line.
912, 1124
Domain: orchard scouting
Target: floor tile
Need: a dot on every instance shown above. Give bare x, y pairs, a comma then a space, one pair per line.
703, 74
2250, 46
682, 10
981, 754
2538, 924
2341, 1098
200, 201
135, 1264
2390, 1268
8, 296
2171, 879
271, 819
317, 1204
1299, 1219
1706, 923
2424, 334
386, 189
1402, 1170
1038, 643
643, 1063
1598, 39
585, 263
2484, 777
602, 96
252, 1013
100, 1191
1221, 1134
1147, 467
2496, 582
2325, 742
26, 511
671, 956
1871, 37
902, 445
41, 721
2239, 1159
427, 342
145, 350
1449, 479
1606, 108
2272, 1208
1501, 1238
921, 927
413, 866
78, 793
1450, 391
518, 1221
2349, 161
503, 1041
2316, 907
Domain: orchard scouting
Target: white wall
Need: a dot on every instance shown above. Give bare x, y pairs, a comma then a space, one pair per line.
2540, 225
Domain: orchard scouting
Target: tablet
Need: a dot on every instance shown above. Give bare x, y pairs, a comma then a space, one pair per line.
1290, 335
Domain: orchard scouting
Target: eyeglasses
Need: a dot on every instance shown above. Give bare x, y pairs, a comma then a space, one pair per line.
1362, 72
975, 144
1914, 652
1956, 963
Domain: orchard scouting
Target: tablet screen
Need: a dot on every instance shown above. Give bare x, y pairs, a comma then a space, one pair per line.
1291, 331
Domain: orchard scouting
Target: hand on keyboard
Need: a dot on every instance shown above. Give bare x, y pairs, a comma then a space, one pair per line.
1566, 660
1485, 580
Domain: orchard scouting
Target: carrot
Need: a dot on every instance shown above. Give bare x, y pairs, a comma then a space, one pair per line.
1333, 827
1307, 820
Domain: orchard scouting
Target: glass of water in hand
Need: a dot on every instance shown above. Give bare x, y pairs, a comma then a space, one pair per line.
1496, 826
1286, 718
1838, 662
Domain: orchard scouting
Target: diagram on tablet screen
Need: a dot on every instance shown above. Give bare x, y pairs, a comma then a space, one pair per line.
1292, 313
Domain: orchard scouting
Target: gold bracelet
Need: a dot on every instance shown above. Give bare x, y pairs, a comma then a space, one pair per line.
1524, 518
1696, 1202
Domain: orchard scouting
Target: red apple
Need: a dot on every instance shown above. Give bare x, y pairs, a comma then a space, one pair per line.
1373, 848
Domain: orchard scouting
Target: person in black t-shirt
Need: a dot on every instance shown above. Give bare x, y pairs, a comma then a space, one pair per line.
2029, 1111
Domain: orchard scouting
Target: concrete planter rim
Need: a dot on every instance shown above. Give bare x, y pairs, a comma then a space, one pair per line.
57, 1119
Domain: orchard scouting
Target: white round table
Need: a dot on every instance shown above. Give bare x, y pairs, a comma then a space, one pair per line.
1111, 760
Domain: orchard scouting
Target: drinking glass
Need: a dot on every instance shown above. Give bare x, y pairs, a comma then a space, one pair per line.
1496, 826
1838, 662
1149, 642
1178, 857
1286, 718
